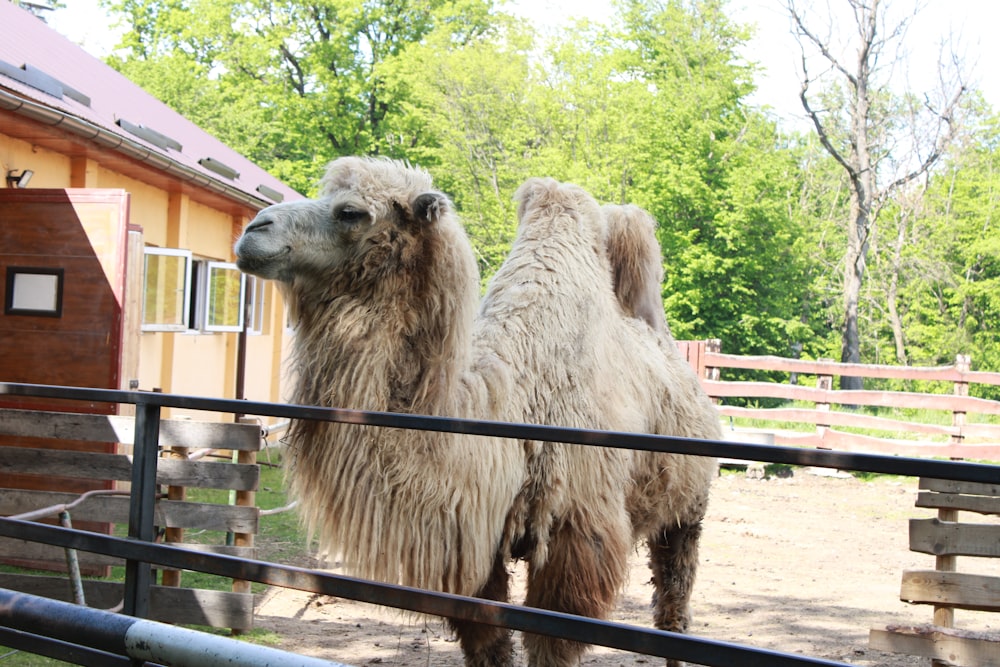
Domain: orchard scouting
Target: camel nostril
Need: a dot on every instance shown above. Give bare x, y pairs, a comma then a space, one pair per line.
257, 224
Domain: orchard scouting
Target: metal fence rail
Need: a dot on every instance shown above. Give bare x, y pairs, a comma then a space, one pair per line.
540, 621
140, 552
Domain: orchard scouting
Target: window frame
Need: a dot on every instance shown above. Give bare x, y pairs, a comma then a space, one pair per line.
204, 289
186, 306
256, 295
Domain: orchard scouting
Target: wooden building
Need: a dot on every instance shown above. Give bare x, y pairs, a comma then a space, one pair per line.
116, 231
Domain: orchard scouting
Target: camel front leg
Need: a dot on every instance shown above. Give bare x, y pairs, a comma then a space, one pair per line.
488, 645
583, 574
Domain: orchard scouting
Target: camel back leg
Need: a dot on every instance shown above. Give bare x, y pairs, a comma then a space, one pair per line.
673, 558
488, 645
583, 575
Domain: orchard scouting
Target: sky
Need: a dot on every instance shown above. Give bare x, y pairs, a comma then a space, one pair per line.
972, 22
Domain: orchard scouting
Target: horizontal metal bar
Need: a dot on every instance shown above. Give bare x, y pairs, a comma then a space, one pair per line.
30, 642
157, 643
875, 463
648, 641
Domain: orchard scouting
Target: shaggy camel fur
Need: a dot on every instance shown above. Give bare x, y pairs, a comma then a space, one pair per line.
384, 288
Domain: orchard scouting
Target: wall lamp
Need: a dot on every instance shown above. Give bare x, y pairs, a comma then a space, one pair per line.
19, 181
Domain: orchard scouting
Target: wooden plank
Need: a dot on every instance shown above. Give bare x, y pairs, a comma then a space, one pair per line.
950, 646
951, 589
208, 474
952, 486
115, 509
833, 418
959, 501
762, 362
55, 557
941, 538
113, 428
981, 431
219, 609
885, 399
850, 442
199, 474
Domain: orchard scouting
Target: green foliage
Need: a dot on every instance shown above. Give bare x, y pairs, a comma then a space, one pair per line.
954, 298
651, 109
289, 85
714, 174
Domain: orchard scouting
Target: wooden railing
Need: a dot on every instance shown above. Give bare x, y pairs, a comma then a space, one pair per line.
973, 431
42, 461
945, 587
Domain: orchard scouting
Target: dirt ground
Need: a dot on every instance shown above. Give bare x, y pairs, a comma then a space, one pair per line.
804, 563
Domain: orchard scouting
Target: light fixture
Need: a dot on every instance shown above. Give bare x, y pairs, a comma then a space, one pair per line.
19, 181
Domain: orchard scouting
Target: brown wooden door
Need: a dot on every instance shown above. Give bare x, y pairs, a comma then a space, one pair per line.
73, 241
63, 275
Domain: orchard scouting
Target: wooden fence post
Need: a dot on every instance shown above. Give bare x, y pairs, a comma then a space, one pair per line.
244, 499
712, 372
824, 383
963, 363
174, 535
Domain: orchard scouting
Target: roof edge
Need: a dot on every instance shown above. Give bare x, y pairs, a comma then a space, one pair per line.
110, 140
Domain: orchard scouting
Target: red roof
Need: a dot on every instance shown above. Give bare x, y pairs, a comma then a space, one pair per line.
41, 71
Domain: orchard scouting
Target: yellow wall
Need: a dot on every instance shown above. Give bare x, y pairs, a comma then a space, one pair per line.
51, 169
197, 364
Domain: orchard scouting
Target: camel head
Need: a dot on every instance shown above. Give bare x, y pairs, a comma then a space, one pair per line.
369, 219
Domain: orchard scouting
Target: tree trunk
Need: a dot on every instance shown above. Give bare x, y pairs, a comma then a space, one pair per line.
865, 137
854, 270
862, 198
892, 294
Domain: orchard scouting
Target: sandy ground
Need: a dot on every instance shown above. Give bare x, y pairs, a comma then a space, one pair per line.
806, 564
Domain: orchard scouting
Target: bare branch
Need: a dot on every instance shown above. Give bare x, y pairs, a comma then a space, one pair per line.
823, 47
820, 128
946, 118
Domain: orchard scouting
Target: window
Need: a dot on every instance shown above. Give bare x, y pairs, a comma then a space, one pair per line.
167, 296
223, 297
187, 294
34, 291
255, 293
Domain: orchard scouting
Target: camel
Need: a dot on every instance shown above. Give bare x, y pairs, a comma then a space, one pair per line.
383, 286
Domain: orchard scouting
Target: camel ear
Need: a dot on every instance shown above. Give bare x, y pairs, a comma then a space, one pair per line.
429, 207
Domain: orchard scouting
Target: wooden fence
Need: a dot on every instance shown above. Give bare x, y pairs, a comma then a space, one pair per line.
969, 435
39, 472
945, 587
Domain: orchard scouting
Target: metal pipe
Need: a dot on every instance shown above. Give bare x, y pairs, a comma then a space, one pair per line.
43, 512
73, 565
139, 639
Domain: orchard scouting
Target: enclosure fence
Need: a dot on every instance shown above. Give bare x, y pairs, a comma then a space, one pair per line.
140, 551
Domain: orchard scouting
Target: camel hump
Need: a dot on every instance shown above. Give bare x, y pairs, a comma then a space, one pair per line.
636, 263
549, 207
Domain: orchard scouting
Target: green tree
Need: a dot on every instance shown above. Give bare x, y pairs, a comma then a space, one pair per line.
650, 110
717, 176
290, 85
471, 106
952, 295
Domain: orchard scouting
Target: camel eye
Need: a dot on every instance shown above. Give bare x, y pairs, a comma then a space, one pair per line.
350, 216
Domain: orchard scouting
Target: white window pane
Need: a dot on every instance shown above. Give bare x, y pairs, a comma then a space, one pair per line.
223, 298
167, 278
